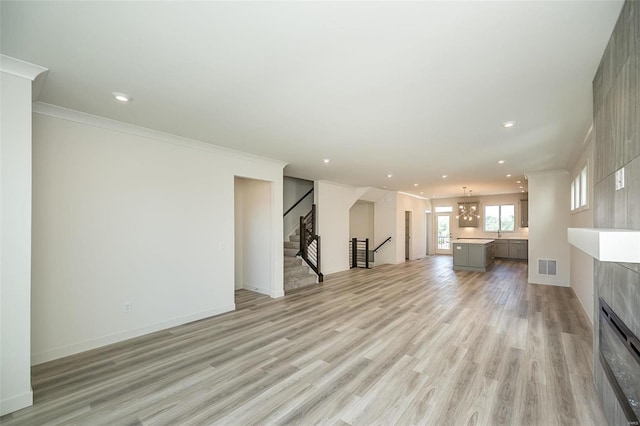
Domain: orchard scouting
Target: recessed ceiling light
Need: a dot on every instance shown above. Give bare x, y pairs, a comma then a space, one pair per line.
421, 192
326, 160
508, 175
501, 162
522, 191
122, 97
508, 124
415, 184
518, 181
444, 176
521, 187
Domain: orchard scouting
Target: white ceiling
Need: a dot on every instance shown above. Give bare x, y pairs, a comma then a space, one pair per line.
415, 89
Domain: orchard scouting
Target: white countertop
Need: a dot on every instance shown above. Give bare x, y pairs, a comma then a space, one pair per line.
472, 241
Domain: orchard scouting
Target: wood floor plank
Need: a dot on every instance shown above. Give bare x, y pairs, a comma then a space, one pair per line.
416, 343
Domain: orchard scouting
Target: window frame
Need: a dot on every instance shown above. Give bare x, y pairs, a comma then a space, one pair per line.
500, 230
579, 189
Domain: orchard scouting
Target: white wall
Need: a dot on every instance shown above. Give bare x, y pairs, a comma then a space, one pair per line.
333, 202
581, 277
361, 221
549, 207
15, 241
385, 226
253, 250
294, 189
127, 214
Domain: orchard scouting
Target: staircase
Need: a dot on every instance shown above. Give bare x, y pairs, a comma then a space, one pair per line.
296, 273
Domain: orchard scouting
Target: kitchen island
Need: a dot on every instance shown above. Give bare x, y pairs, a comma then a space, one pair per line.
473, 255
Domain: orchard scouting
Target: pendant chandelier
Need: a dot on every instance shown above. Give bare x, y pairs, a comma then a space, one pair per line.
467, 212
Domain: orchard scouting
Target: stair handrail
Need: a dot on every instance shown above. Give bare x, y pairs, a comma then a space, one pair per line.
307, 238
381, 244
297, 202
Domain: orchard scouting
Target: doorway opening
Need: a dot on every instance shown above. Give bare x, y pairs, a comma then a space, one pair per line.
443, 233
407, 235
253, 249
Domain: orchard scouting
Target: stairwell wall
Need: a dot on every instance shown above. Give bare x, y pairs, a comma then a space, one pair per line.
333, 202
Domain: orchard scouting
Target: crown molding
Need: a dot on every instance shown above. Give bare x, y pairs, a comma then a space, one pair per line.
20, 68
143, 132
546, 172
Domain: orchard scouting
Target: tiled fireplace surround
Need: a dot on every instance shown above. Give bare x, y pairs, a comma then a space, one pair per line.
616, 109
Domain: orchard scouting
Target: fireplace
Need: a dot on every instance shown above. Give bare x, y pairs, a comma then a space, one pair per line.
620, 359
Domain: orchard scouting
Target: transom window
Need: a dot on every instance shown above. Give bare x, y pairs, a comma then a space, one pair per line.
444, 209
500, 218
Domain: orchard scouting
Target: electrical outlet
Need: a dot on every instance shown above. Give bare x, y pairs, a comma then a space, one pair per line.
619, 178
126, 308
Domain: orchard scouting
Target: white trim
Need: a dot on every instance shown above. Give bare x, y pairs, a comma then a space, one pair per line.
38, 358
544, 173
538, 279
143, 132
607, 245
16, 403
277, 294
20, 68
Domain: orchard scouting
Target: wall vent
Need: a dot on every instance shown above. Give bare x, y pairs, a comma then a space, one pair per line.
547, 267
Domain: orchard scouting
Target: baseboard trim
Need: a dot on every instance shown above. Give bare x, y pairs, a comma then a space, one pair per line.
50, 355
16, 403
542, 281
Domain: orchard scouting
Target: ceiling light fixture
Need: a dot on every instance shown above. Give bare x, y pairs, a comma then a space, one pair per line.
508, 175
518, 181
508, 124
501, 162
121, 97
467, 212
415, 184
521, 187
389, 175
326, 161
444, 176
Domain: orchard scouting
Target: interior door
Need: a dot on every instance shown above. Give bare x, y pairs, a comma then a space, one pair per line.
443, 233
407, 235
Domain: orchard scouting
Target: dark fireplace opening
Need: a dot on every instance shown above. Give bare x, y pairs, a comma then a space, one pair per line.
620, 358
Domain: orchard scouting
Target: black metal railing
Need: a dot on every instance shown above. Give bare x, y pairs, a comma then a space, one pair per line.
375, 250
310, 242
359, 253
444, 242
297, 202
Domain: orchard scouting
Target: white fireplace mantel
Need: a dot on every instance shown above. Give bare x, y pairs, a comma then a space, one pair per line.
607, 245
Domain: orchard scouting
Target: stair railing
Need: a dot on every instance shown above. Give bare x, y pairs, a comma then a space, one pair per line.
375, 250
359, 253
297, 202
310, 242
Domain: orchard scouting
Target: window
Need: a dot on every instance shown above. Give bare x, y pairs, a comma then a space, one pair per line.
500, 218
580, 189
444, 209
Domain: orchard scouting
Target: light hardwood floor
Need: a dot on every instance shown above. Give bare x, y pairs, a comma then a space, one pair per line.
415, 343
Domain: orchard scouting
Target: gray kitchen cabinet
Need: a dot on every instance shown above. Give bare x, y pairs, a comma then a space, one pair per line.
502, 249
460, 254
473, 255
524, 213
512, 249
471, 220
519, 249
